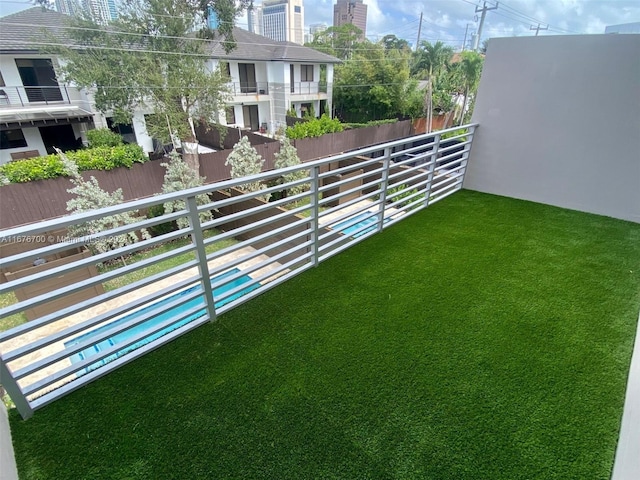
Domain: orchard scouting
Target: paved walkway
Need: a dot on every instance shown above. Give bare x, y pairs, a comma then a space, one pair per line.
627, 462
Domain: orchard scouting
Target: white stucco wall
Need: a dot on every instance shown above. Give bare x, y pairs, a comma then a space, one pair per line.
560, 123
34, 142
8, 469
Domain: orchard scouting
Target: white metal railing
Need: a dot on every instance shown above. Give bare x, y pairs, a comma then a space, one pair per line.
247, 248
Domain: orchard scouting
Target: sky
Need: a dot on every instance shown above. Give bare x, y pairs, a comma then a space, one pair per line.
447, 20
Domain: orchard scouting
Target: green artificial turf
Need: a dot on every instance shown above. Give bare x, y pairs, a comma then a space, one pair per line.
482, 338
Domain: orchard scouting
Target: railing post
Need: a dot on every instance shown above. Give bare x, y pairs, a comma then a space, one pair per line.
432, 166
197, 237
384, 185
14, 391
465, 154
315, 215
20, 96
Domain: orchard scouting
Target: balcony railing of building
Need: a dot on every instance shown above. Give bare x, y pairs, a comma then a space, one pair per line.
308, 88
248, 88
21, 96
248, 247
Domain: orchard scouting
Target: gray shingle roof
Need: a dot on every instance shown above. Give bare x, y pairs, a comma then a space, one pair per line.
16, 37
250, 46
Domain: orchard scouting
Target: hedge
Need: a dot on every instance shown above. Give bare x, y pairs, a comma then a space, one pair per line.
50, 166
314, 128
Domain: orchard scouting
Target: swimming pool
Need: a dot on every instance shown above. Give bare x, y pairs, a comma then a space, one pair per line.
364, 219
161, 317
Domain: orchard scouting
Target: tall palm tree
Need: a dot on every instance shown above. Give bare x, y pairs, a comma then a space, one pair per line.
432, 59
471, 67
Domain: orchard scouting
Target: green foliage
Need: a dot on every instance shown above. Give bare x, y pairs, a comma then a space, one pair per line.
292, 112
400, 192
288, 157
181, 88
103, 137
179, 176
245, 161
161, 228
372, 123
342, 41
315, 127
50, 166
375, 85
89, 196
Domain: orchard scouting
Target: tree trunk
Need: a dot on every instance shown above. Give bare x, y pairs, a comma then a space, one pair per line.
190, 154
464, 105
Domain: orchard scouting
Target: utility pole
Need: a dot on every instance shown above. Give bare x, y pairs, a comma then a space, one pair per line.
484, 11
419, 30
538, 28
464, 42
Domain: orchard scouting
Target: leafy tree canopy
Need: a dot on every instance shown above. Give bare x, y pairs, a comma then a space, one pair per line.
150, 58
391, 42
341, 42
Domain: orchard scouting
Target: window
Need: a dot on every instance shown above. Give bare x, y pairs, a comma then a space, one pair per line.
12, 139
297, 9
1, 80
306, 73
230, 115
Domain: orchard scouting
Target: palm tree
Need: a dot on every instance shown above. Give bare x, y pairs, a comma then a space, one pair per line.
471, 67
432, 59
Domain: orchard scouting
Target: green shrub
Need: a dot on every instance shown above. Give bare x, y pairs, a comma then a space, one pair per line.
162, 228
103, 137
50, 166
315, 128
371, 123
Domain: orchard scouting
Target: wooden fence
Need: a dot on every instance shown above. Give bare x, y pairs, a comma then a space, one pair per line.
211, 137
24, 203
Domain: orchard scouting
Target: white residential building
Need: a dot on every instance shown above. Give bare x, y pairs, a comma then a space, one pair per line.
283, 20
37, 112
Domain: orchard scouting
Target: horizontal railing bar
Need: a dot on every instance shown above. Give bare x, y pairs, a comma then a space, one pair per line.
68, 351
347, 216
418, 158
260, 265
427, 147
87, 362
87, 378
144, 203
350, 168
76, 243
233, 199
253, 240
252, 226
92, 260
403, 173
448, 177
268, 286
455, 186
454, 164
65, 312
442, 150
330, 186
348, 203
104, 317
104, 277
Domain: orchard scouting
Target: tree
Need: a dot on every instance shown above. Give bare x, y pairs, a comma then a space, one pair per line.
89, 196
245, 161
149, 58
179, 176
431, 60
391, 42
288, 157
471, 68
342, 41
374, 85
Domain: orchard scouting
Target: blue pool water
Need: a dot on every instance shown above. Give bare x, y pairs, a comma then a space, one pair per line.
363, 221
156, 320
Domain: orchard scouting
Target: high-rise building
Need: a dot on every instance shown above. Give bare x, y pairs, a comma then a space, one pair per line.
314, 29
212, 19
350, 11
102, 11
254, 17
283, 20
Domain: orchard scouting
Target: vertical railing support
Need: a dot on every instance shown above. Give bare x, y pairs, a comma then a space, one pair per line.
433, 161
197, 237
14, 391
315, 214
465, 154
384, 186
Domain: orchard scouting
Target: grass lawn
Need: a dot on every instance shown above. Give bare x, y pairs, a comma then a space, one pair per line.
483, 338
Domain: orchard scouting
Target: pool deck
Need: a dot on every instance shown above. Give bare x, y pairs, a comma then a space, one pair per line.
229, 260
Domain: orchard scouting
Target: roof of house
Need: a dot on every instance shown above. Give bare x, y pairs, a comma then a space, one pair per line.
250, 46
28, 30
21, 32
